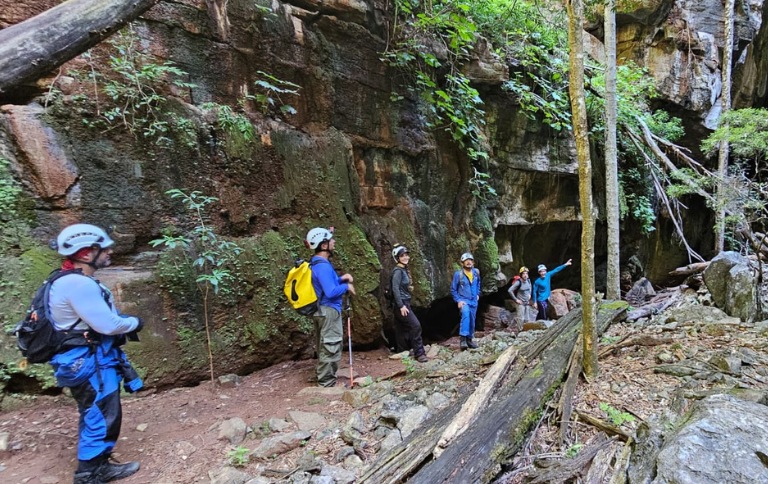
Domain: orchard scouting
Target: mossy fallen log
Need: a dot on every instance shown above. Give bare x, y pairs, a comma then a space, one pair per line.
499, 432
37, 46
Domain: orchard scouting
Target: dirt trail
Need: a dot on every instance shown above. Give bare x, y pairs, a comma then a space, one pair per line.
179, 444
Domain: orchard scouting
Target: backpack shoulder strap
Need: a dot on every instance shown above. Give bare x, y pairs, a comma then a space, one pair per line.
320, 260
52, 277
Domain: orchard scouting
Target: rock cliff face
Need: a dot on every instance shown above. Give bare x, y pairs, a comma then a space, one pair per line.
350, 157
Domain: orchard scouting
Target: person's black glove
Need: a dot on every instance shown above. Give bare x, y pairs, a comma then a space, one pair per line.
134, 335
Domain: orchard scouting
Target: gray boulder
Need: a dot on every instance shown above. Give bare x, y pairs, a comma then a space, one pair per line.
339, 474
723, 439
279, 444
741, 294
730, 279
228, 475
307, 421
716, 274
233, 430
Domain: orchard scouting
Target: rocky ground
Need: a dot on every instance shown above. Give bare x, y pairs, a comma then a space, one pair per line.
274, 426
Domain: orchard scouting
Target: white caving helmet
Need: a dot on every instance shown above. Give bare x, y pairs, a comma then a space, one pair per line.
465, 256
81, 236
317, 236
399, 250
541, 267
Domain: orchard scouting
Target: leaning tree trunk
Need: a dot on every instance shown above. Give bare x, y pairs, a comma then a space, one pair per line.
33, 48
725, 99
581, 133
612, 215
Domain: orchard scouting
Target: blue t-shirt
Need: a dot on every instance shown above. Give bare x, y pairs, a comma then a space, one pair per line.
327, 284
541, 287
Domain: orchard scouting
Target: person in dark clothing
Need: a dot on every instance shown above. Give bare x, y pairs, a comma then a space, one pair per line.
408, 326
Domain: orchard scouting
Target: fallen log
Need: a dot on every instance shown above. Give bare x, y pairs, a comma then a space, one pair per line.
473, 407
564, 470
689, 269
394, 466
620, 467
600, 469
565, 408
477, 454
33, 48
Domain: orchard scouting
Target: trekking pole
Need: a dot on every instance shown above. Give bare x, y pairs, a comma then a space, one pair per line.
349, 337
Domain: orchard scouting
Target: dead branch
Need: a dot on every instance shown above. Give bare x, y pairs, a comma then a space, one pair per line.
689, 269
638, 340
563, 470
604, 426
565, 407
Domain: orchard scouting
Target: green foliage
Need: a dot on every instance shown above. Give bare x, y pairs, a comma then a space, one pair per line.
239, 456
133, 84
616, 416
233, 123
209, 256
573, 450
410, 364
747, 134
213, 254
449, 102
271, 89
635, 88
9, 193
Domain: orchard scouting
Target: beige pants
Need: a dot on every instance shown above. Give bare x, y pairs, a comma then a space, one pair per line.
329, 334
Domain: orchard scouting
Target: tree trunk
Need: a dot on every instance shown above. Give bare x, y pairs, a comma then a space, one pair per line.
33, 48
725, 100
612, 214
581, 133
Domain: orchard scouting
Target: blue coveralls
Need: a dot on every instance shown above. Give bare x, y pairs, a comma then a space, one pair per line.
93, 377
464, 291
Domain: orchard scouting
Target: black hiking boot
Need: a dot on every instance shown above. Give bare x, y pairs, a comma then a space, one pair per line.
422, 359
463, 345
109, 471
87, 478
470, 344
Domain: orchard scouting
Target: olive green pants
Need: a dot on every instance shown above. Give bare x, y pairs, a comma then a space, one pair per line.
329, 334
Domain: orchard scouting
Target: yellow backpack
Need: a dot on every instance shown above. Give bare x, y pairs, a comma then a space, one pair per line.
299, 290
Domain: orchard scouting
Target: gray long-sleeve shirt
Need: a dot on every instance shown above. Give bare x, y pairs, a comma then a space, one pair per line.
76, 296
400, 282
521, 290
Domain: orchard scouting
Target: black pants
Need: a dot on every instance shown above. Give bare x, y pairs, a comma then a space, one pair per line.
408, 331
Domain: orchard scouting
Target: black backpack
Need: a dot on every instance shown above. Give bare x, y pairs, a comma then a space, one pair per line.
388, 291
36, 336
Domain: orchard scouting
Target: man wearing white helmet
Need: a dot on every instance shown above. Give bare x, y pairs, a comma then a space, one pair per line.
330, 288
542, 290
92, 365
465, 289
